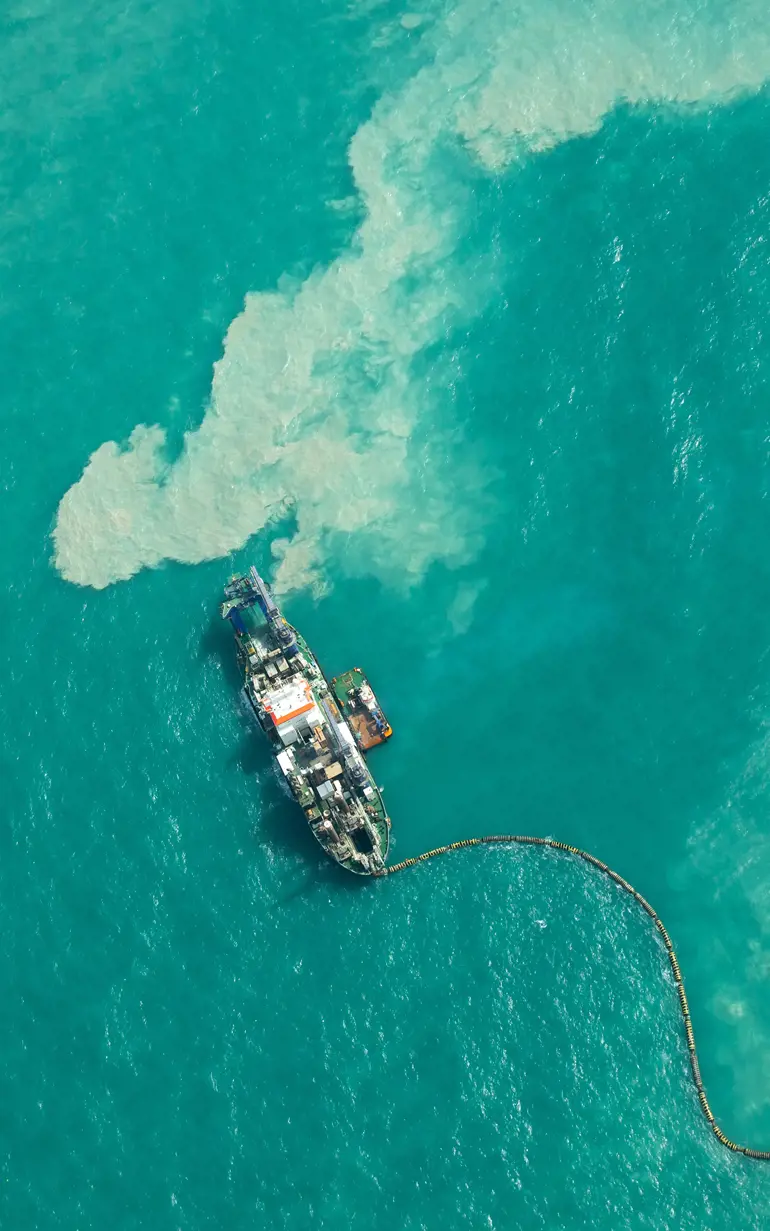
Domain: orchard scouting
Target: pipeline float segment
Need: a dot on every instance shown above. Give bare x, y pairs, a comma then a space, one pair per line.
525, 840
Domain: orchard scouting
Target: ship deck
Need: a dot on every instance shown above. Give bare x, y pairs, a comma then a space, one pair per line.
360, 719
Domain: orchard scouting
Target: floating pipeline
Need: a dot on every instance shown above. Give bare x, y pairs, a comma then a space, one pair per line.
522, 840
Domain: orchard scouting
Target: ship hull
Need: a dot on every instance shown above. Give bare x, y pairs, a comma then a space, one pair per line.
316, 750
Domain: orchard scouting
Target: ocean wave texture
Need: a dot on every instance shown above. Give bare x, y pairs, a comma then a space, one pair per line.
484, 289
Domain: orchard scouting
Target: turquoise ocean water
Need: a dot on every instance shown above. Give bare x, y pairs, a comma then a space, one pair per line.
453, 319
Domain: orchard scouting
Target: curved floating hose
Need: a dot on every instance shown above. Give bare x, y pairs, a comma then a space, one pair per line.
645, 905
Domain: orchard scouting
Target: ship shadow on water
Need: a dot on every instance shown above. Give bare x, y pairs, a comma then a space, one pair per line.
216, 642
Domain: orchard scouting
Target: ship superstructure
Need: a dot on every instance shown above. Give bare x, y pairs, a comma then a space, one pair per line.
317, 751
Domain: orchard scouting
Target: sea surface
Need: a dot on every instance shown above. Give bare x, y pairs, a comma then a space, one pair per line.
454, 319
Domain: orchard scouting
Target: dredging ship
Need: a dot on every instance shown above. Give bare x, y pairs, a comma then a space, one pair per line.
319, 731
